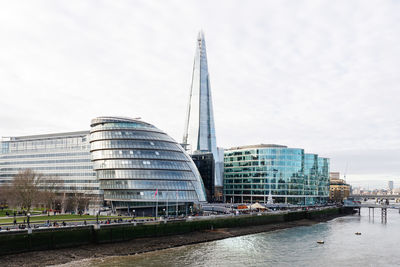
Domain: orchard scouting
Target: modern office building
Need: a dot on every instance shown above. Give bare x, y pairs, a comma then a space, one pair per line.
141, 168
206, 165
199, 133
323, 179
63, 156
258, 173
127, 162
311, 178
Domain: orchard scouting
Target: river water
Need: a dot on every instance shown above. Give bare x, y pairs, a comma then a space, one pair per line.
378, 245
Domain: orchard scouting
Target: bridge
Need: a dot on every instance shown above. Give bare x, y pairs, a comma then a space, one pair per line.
375, 196
372, 207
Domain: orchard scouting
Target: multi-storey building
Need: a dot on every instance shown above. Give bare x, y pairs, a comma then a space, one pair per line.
338, 189
199, 133
141, 168
64, 157
127, 162
311, 178
390, 185
323, 179
206, 165
287, 175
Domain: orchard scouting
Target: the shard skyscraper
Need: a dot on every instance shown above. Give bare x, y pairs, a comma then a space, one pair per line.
199, 133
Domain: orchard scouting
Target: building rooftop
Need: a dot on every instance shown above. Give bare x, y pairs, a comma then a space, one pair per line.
338, 182
258, 146
104, 119
43, 136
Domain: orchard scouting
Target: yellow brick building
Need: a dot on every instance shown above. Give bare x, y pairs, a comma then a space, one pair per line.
338, 189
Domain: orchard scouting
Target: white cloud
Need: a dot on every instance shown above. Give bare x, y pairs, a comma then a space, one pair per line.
318, 75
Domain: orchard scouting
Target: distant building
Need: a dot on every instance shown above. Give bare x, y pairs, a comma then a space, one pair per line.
390, 185
338, 189
265, 173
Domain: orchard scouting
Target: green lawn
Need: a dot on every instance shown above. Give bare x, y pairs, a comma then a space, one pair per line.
39, 209
3, 212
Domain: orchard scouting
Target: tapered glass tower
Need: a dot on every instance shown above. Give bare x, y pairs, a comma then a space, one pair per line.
199, 133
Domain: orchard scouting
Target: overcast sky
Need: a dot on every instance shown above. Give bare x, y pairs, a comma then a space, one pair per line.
320, 75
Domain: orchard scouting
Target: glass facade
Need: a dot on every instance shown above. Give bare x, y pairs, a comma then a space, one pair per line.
206, 166
323, 175
64, 156
199, 132
252, 173
138, 165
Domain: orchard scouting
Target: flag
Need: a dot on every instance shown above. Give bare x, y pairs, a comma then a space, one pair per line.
156, 192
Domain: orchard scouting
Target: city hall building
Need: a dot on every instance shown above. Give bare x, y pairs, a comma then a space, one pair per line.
140, 167
266, 173
128, 163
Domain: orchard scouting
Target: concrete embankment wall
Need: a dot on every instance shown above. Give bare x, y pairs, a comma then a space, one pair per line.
47, 239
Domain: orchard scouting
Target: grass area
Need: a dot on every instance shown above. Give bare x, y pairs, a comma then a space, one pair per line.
39, 209
3, 212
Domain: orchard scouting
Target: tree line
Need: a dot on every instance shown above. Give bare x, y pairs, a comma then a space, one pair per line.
30, 189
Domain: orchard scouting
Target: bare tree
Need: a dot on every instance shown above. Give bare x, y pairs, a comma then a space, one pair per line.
24, 190
4, 196
50, 192
77, 202
70, 203
82, 201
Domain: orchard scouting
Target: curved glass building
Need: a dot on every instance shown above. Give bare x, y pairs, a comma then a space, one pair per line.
287, 175
140, 167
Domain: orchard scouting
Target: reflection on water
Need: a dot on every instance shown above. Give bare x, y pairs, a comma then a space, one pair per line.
377, 246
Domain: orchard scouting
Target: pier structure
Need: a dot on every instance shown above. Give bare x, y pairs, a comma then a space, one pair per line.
372, 207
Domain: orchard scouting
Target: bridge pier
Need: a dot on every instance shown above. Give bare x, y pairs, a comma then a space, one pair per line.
384, 215
369, 211
383, 207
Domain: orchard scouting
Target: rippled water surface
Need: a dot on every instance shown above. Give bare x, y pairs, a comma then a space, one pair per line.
379, 245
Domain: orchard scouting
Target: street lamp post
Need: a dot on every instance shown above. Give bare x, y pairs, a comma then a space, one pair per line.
29, 216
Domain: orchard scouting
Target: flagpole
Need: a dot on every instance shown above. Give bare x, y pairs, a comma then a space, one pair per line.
167, 203
176, 203
157, 204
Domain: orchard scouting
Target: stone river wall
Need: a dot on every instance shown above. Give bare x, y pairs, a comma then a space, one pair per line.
65, 237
